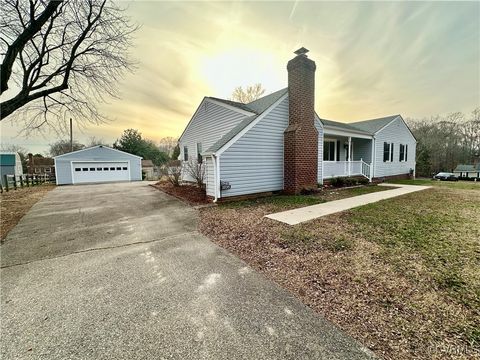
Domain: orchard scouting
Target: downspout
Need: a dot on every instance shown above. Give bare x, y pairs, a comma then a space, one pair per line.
214, 158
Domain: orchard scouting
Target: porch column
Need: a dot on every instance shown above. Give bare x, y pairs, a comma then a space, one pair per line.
349, 155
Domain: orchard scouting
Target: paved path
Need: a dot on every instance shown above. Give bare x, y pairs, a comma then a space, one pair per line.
297, 216
117, 271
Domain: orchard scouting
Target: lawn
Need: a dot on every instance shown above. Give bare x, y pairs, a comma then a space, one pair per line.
460, 185
401, 275
15, 204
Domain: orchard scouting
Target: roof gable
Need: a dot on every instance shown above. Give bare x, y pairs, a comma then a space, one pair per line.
263, 103
95, 147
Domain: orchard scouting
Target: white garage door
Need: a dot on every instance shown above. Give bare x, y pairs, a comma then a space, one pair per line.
92, 172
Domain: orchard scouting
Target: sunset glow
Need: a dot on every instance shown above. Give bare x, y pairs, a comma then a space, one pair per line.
373, 59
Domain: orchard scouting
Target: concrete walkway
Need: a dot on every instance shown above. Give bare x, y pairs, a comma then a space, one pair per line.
297, 216
118, 271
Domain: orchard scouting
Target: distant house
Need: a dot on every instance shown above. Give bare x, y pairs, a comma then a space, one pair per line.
10, 164
150, 170
467, 171
39, 165
278, 142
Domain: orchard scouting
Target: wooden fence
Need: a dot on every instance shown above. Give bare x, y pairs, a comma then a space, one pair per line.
14, 182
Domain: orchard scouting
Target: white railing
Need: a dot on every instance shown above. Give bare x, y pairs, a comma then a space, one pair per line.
346, 168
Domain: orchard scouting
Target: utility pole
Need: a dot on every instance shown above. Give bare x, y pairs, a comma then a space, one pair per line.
71, 135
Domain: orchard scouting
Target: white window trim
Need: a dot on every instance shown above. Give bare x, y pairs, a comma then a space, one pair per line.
334, 152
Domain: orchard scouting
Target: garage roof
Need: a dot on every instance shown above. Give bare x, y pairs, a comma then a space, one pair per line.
94, 147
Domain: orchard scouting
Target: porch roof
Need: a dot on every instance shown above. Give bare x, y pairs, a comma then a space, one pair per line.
366, 127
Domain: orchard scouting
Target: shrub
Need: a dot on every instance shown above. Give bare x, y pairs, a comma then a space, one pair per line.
197, 171
173, 171
337, 182
363, 181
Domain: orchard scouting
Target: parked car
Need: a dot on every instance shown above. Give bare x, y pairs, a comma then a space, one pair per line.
445, 176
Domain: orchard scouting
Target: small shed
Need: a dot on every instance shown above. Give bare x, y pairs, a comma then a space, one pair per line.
10, 164
97, 164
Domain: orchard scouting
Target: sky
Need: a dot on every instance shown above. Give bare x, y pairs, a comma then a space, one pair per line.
373, 59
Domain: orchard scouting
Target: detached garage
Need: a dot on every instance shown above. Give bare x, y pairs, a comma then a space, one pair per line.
96, 165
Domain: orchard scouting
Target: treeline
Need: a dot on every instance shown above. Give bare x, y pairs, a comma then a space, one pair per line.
443, 142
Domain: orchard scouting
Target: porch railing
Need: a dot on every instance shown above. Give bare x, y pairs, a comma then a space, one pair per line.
346, 168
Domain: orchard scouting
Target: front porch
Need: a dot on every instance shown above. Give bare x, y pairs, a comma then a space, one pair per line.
345, 156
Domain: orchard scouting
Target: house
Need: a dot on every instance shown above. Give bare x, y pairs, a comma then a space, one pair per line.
149, 170
39, 165
10, 164
97, 164
279, 142
467, 171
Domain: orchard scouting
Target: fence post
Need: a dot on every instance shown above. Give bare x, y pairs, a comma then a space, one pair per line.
21, 181
26, 179
15, 182
5, 177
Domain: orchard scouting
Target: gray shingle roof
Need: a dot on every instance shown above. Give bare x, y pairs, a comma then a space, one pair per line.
372, 126
341, 125
464, 167
232, 103
230, 135
257, 106
262, 104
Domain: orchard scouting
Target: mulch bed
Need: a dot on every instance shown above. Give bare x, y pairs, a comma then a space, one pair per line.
188, 193
16, 203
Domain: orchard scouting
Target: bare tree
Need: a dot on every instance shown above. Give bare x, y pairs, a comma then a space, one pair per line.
61, 147
196, 169
167, 144
60, 58
248, 95
173, 171
94, 141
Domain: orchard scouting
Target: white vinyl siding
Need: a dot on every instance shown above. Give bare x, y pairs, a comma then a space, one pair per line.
362, 150
209, 176
254, 163
208, 125
397, 133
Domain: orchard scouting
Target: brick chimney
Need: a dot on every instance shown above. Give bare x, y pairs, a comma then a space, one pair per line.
301, 136
30, 163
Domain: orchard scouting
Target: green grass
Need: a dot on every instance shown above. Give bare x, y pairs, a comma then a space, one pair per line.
439, 227
280, 201
461, 185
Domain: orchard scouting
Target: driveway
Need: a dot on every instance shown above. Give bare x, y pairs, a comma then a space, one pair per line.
117, 271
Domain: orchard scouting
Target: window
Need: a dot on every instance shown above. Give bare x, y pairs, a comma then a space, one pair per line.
403, 152
48, 170
119, 168
185, 153
199, 153
105, 168
99, 169
92, 169
84, 169
329, 147
112, 168
387, 152
124, 168
77, 169
37, 170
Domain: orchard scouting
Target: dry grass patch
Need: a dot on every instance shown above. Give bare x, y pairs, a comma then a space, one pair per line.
16, 203
401, 275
